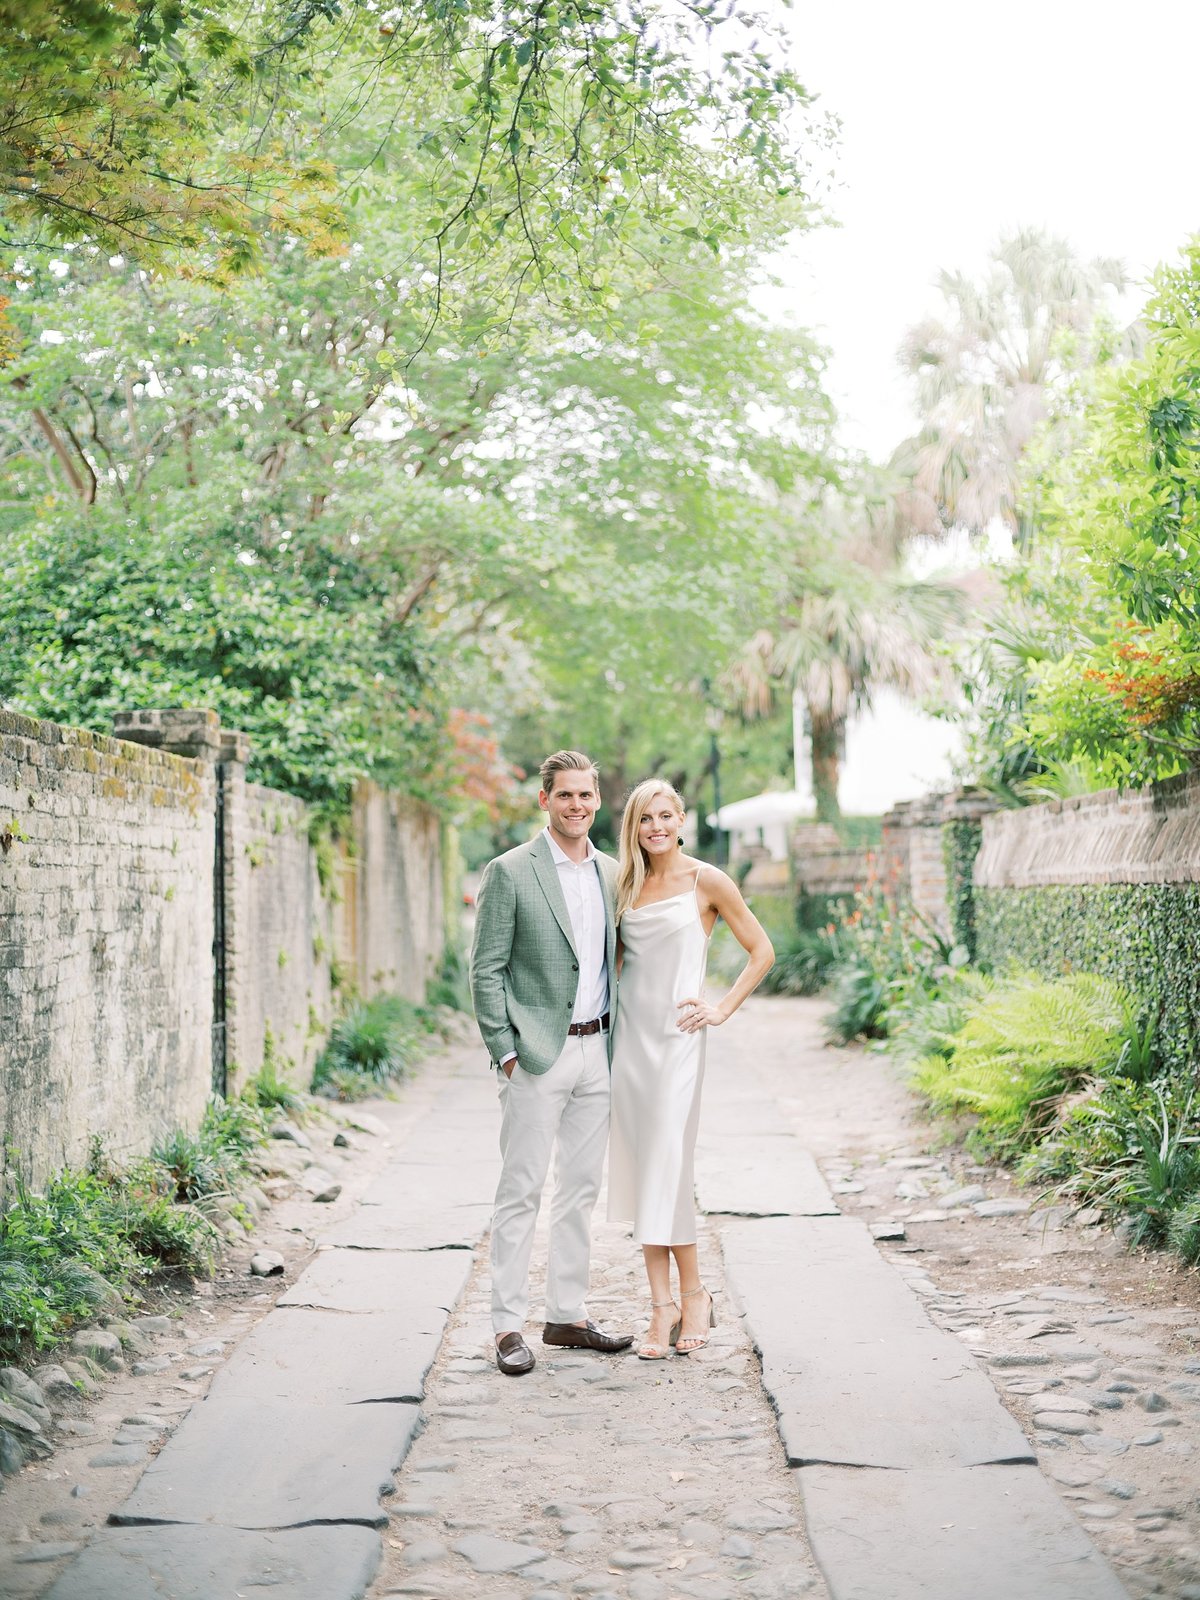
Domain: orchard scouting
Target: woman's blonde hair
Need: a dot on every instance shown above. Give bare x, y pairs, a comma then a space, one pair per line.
631, 865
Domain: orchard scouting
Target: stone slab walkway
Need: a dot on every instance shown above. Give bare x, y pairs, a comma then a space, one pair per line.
877, 1463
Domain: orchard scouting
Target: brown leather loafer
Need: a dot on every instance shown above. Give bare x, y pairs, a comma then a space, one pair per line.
569, 1337
513, 1355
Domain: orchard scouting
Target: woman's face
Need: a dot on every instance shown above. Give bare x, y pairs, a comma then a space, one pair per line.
660, 825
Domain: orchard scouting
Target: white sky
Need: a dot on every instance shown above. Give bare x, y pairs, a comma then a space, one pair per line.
960, 122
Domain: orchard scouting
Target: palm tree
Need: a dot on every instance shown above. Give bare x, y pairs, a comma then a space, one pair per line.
854, 622
984, 373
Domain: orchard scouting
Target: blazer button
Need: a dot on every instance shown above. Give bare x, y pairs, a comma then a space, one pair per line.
574, 966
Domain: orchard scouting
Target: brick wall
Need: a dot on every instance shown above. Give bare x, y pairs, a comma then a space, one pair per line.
279, 934
401, 909
105, 903
108, 853
1145, 836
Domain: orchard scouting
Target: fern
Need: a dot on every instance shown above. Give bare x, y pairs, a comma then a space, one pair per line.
1023, 1045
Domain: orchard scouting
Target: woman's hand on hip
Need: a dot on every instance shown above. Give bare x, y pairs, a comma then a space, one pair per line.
697, 1014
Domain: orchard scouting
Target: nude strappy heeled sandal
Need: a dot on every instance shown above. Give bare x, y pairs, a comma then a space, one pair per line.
684, 1347
654, 1352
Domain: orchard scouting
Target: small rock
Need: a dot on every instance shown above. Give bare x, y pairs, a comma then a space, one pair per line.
206, 1347
1098, 1513
1151, 1524
1073, 1403
16, 1385
1108, 1402
421, 1551
971, 1194
45, 1552
1004, 1359
78, 1491
290, 1132
125, 1455
736, 1547
342, 1141
1102, 1444
1152, 1401
100, 1346
1000, 1208
147, 1368
76, 1427
12, 1453
888, 1230
266, 1264
136, 1343
1117, 1487
54, 1381
17, 1420
1121, 1388
1154, 1436
155, 1324
320, 1185
1061, 1422
487, 1554
191, 1374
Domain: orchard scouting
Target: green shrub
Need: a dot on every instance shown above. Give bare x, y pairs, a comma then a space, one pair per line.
885, 953
451, 987
268, 1091
1130, 1149
1022, 1046
377, 1040
1146, 936
803, 961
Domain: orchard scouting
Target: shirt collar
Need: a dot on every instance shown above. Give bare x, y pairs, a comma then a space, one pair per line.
561, 858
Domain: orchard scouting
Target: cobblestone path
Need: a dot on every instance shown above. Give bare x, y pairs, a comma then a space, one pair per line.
600, 1476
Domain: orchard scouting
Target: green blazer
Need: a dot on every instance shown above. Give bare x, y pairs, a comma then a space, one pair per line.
524, 966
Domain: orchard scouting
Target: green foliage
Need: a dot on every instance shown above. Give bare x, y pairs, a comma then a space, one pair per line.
268, 1090
451, 987
1022, 1046
1146, 937
885, 954
1127, 700
1131, 1150
374, 1043
557, 140
961, 838
87, 1240
287, 644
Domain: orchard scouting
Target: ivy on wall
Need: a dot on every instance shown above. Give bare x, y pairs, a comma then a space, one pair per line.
961, 838
1145, 935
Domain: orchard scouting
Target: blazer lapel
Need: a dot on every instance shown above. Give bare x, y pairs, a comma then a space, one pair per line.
610, 926
547, 876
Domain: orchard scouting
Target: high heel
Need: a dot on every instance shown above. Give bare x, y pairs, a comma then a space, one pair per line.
684, 1347
655, 1352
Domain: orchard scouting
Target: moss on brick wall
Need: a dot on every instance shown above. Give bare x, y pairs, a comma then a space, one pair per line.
1145, 935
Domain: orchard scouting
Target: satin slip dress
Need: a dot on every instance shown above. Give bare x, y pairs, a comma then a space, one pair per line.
657, 1071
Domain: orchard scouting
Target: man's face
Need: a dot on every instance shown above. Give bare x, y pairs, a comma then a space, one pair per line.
571, 804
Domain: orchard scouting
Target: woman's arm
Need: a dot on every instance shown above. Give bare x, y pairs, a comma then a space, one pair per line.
726, 897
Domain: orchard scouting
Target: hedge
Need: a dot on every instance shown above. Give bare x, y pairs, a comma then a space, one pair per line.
1145, 935
961, 839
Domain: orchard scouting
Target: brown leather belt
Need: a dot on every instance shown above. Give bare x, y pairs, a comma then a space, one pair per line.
581, 1030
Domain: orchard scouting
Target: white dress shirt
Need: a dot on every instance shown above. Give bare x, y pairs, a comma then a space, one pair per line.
581, 889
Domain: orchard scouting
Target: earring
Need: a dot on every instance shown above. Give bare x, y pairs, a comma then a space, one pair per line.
681, 841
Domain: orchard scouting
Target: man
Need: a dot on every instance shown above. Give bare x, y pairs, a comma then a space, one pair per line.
543, 983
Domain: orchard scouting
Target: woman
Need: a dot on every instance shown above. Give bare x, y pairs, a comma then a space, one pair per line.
667, 906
